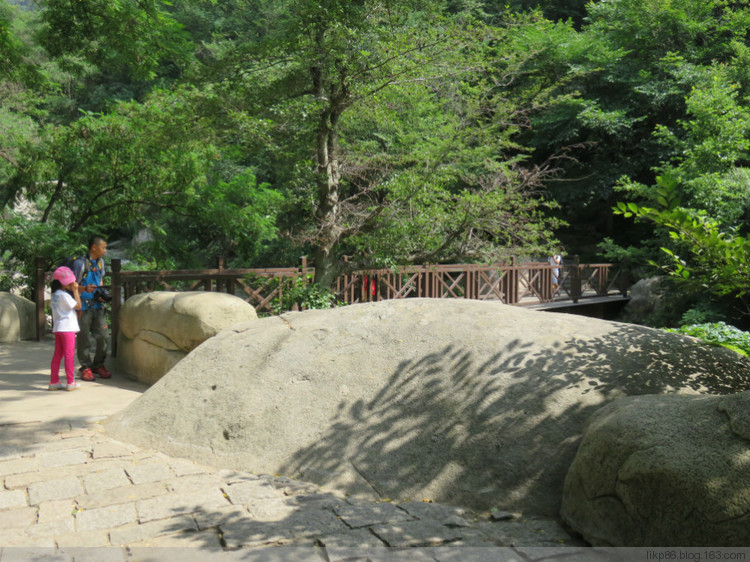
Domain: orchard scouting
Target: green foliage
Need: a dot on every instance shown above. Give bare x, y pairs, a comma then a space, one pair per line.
128, 34
718, 334
707, 148
24, 239
293, 293
702, 256
305, 294
405, 131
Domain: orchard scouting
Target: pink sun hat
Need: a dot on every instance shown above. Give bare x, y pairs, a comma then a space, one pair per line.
64, 275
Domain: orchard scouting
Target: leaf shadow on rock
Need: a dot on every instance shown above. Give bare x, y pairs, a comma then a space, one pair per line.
501, 431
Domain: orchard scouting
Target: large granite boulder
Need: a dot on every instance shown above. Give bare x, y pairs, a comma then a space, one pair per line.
17, 318
663, 471
473, 403
156, 330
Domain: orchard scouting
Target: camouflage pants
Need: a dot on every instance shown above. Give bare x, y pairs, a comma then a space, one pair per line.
93, 324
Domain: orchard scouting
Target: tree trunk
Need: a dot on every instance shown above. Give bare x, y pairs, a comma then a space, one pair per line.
328, 191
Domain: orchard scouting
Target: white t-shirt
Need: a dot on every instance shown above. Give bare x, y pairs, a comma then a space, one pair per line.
64, 316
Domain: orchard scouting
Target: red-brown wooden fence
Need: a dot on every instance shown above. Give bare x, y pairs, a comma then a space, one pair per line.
512, 283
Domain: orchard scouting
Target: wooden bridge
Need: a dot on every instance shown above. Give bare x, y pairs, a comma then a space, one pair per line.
537, 285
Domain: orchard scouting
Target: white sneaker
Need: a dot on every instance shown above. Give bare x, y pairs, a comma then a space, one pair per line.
73, 386
58, 386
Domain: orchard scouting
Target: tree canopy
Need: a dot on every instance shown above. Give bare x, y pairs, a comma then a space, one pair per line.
405, 131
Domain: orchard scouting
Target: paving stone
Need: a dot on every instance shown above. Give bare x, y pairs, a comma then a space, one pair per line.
125, 494
298, 525
299, 488
18, 466
92, 423
82, 431
63, 458
130, 534
25, 554
112, 449
12, 498
399, 554
476, 554
196, 540
234, 477
313, 523
17, 518
313, 501
52, 529
83, 442
365, 514
106, 480
9, 452
352, 539
221, 516
564, 553
84, 553
194, 483
11, 538
144, 472
528, 532
272, 509
57, 489
435, 511
474, 538
172, 504
28, 478
55, 510
416, 533
106, 517
87, 540
188, 554
183, 467
249, 491
248, 532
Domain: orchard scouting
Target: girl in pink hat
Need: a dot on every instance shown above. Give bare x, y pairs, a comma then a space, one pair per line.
65, 327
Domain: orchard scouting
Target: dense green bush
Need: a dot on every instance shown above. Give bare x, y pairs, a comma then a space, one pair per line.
304, 293
719, 333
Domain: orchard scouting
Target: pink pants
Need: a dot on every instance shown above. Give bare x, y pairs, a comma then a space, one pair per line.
65, 346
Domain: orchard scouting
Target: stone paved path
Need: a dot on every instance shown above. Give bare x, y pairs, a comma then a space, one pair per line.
68, 487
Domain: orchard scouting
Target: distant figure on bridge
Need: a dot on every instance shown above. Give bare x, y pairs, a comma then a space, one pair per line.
555, 260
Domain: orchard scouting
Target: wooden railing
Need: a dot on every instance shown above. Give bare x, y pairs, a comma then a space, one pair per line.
513, 283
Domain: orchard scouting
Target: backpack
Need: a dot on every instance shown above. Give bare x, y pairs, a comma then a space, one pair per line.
71, 262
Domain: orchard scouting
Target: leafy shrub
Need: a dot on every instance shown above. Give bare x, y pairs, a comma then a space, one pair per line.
6, 283
304, 293
291, 293
718, 333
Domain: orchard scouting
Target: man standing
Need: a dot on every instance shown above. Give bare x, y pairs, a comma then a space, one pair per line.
93, 323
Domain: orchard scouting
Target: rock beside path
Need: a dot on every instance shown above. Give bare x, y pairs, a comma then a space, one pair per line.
17, 318
156, 330
462, 402
663, 471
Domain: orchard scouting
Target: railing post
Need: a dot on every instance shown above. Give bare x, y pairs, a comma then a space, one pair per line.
41, 321
575, 279
116, 302
603, 280
510, 283
220, 286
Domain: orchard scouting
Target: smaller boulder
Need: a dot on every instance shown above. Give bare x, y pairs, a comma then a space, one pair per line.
156, 330
645, 299
667, 470
17, 318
